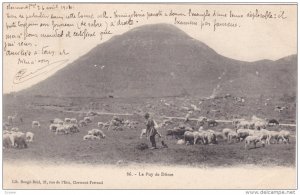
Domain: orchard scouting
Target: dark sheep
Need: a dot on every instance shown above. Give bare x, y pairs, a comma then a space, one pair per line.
272, 122
212, 123
20, 142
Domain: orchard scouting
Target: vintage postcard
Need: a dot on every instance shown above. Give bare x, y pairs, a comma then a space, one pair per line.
149, 96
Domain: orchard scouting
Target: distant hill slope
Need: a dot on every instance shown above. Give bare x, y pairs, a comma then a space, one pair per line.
161, 60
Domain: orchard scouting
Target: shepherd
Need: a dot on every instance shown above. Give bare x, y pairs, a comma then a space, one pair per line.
151, 130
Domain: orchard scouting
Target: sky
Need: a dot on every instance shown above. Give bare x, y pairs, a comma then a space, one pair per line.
253, 38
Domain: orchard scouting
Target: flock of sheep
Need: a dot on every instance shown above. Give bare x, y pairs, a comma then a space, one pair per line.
14, 138
252, 132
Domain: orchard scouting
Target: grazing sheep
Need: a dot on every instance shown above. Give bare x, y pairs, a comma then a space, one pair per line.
211, 137
226, 131
20, 142
15, 129
73, 128
6, 141
260, 125
236, 122
176, 132
253, 139
18, 139
91, 113
219, 135
57, 121
242, 133
53, 127
66, 128
13, 135
244, 125
232, 135
35, 124
129, 124
67, 120
143, 132
201, 120
96, 132
258, 122
106, 125
82, 123
100, 124
212, 123
62, 129
29, 136
201, 136
273, 122
285, 136
273, 135
91, 137
264, 135
73, 121
253, 132
189, 137
180, 142
87, 119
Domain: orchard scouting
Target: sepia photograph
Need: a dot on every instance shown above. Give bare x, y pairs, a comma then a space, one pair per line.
149, 96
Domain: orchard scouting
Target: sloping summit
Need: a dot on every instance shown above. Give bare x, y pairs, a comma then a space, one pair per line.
162, 60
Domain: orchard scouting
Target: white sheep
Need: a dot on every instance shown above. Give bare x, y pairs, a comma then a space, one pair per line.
253, 139
62, 129
226, 131
180, 142
273, 135
35, 124
235, 122
18, 139
242, 133
143, 132
15, 129
197, 135
82, 123
58, 121
91, 137
253, 132
244, 124
211, 136
73, 121
260, 124
232, 135
96, 132
87, 119
285, 136
104, 125
71, 128
67, 120
53, 127
29, 136
201, 120
6, 141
